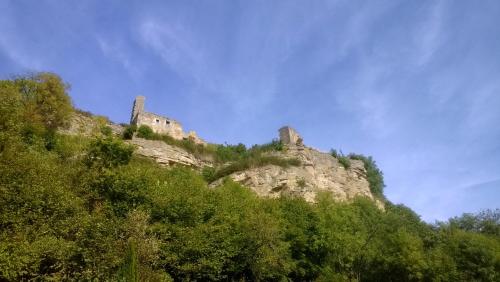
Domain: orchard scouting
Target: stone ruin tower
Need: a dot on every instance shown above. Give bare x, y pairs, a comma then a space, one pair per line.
137, 108
289, 136
159, 124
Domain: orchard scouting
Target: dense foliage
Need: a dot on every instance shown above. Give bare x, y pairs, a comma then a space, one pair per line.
75, 208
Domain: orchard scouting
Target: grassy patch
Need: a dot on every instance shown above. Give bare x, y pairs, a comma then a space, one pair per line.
212, 174
343, 160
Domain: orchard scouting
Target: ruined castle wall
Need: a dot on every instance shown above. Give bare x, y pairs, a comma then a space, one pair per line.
161, 125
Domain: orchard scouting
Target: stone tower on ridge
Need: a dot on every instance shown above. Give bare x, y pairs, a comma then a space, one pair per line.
289, 136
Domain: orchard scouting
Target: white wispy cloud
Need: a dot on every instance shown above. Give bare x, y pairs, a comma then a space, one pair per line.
186, 55
176, 47
482, 114
115, 50
429, 34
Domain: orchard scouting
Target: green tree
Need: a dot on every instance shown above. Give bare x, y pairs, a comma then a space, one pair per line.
301, 231
46, 99
485, 222
108, 153
10, 113
477, 257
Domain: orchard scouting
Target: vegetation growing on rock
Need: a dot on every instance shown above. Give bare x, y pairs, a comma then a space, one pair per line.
227, 158
374, 175
343, 160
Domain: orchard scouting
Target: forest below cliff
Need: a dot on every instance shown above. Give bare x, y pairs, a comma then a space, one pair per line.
87, 208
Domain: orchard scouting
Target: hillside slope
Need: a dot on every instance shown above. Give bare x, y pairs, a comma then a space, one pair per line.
317, 172
77, 205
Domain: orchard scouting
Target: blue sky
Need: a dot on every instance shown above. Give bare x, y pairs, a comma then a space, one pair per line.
415, 84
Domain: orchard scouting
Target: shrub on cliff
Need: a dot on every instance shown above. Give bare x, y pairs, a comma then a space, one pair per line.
343, 160
374, 175
129, 131
145, 132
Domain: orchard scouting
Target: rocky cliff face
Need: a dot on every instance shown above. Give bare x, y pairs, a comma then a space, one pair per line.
318, 172
166, 154
82, 123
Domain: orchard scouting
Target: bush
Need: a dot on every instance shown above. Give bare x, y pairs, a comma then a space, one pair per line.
343, 160
301, 182
334, 153
106, 131
108, 153
129, 131
208, 174
274, 146
145, 132
226, 153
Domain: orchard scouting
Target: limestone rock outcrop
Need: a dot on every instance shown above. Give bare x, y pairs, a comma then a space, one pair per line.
318, 172
85, 124
165, 154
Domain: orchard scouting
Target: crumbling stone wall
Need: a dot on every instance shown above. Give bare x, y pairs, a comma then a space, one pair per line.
289, 136
160, 124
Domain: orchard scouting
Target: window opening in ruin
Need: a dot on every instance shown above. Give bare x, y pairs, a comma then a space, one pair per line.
157, 121
167, 122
